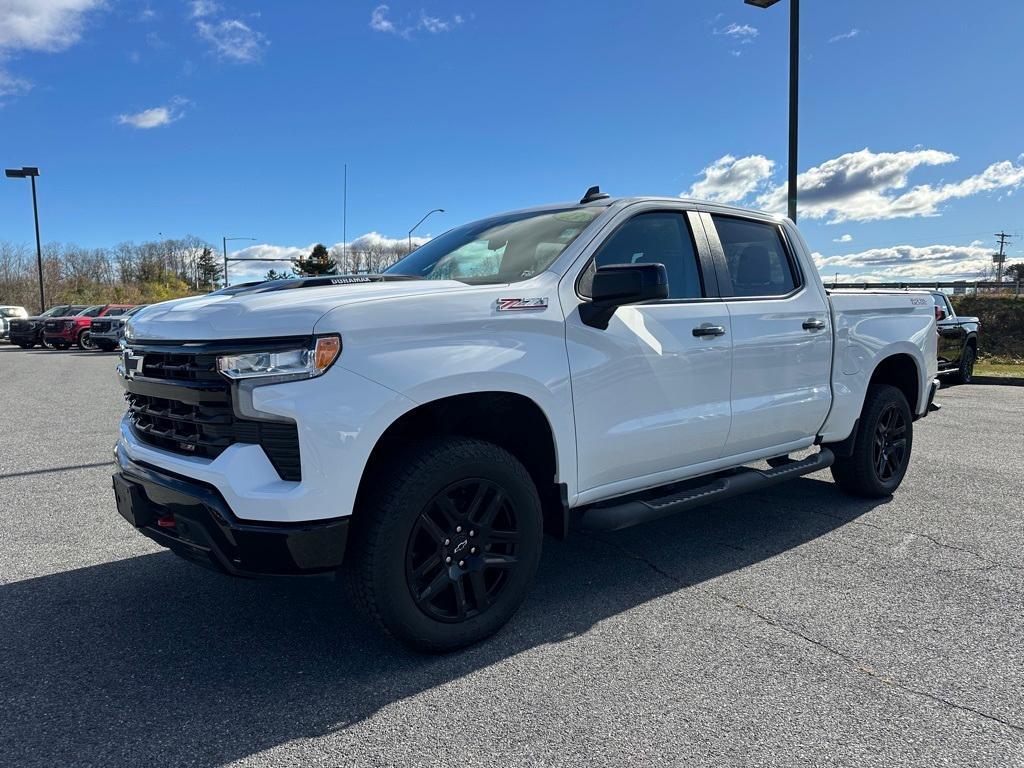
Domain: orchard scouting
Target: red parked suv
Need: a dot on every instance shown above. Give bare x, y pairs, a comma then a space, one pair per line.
65, 331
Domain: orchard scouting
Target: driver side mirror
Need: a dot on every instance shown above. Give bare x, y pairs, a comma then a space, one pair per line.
616, 285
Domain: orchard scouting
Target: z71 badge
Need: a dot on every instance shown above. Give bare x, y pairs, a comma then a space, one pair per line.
522, 305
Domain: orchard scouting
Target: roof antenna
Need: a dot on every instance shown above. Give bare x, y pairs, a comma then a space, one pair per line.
594, 193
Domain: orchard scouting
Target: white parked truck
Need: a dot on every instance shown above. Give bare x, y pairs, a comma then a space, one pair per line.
601, 363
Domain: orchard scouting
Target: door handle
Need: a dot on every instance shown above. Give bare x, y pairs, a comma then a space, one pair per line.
813, 324
708, 330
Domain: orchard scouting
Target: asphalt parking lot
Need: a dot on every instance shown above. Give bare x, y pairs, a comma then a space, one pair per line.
791, 627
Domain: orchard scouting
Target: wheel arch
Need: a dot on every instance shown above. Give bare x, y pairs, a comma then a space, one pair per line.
509, 419
901, 371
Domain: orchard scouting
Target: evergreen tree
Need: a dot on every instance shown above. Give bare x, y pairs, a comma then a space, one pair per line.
208, 270
319, 262
275, 275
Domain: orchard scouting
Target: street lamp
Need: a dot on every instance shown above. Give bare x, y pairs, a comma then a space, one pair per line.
225, 244
794, 88
436, 210
31, 173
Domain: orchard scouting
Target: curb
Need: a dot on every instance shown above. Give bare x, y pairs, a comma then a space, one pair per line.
1006, 381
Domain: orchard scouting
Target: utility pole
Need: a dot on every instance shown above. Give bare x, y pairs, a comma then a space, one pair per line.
1000, 258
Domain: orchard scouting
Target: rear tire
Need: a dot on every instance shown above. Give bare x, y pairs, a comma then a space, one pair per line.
966, 371
882, 447
446, 497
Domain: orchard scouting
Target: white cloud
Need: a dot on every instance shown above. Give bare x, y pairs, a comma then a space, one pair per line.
38, 25
380, 22
156, 116
847, 238
233, 39
199, 9
12, 85
738, 31
43, 25
845, 36
859, 186
730, 180
908, 263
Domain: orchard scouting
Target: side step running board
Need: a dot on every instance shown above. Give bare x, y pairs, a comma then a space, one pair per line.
636, 511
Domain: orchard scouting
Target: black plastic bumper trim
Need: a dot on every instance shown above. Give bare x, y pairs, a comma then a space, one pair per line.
207, 532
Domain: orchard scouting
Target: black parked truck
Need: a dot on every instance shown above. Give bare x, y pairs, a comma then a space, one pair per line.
27, 332
958, 340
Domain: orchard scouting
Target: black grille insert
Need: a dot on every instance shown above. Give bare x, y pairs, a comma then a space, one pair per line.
200, 421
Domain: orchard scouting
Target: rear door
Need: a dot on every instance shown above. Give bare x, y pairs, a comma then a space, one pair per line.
651, 391
781, 335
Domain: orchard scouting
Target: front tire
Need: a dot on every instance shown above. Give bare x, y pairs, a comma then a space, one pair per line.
966, 371
445, 547
882, 446
85, 341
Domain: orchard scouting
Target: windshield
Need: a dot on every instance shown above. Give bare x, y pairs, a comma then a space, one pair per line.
9, 312
91, 311
501, 249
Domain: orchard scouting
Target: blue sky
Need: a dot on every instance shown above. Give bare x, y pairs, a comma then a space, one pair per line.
216, 118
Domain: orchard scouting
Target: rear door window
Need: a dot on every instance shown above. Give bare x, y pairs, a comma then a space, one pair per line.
756, 256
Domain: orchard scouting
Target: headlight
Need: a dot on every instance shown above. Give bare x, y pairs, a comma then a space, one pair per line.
302, 363
68, 325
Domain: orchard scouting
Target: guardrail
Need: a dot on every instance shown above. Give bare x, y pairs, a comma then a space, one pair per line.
958, 286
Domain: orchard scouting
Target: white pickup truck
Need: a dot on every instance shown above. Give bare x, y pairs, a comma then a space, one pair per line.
603, 363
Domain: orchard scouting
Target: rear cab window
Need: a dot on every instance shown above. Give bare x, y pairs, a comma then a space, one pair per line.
756, 256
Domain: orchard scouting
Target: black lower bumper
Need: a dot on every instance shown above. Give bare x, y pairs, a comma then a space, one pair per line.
193, 520
24, 337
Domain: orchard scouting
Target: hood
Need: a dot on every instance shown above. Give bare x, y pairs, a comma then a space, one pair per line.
265, 313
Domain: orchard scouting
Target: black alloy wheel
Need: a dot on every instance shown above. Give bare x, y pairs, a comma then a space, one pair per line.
462, 550
890, 447
85, 340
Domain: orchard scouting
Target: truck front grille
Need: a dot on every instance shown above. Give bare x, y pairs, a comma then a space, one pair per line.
189, 411
100, 326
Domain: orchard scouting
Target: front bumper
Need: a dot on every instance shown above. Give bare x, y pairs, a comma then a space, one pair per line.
193, 521
114, 337
18, 336
70, 336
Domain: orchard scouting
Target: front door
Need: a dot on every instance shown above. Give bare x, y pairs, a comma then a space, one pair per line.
951, 335
649, 395
781, 336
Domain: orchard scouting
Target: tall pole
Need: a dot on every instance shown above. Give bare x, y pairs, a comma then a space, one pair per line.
344, 215
794, 90
225, 244
39, 248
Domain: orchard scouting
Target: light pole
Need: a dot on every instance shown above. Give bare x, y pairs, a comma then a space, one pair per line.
436, 210
31, 173
225, 244
794, 92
